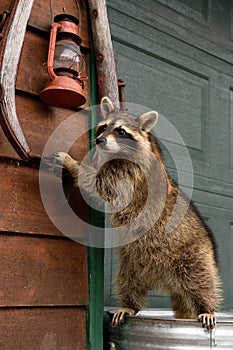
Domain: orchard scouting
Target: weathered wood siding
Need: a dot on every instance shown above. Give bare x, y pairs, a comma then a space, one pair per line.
176, 57
44, 293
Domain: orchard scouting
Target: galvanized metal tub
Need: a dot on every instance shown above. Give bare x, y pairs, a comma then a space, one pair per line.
159, 330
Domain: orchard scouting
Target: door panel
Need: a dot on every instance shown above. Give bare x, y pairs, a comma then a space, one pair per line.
176, 57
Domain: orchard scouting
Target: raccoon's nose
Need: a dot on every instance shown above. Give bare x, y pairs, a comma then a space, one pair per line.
101, 141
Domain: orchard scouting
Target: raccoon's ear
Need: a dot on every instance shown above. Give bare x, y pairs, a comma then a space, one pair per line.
148, 120
106, 106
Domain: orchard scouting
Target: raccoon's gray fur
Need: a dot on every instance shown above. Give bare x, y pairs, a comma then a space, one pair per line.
183, 262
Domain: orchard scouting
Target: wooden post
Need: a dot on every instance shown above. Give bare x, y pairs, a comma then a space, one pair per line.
104, 54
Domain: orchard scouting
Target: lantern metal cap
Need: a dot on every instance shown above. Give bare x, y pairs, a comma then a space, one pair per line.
64, 92
69, 25
64, 17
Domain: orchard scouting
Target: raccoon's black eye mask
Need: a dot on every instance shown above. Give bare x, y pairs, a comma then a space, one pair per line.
121, 133
100, 130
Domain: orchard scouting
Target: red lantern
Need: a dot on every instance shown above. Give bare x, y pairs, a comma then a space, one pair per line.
65, 64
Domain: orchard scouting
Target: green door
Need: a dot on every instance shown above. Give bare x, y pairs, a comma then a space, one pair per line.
176, 57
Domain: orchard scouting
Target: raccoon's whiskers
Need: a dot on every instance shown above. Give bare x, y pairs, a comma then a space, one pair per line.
130, 150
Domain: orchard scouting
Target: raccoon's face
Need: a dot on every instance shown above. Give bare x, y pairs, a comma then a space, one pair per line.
115, 137
120, 134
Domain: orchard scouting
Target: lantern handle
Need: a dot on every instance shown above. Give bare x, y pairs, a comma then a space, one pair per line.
52, 42
83, 77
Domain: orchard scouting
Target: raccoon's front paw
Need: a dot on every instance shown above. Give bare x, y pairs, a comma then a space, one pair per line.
208, 320
61, 157
56, 161
55, 158
120, 315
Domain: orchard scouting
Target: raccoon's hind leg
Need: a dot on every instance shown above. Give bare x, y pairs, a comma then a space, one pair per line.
189, 306
183, 306
120, 314
208, 320
132, 295
206, 302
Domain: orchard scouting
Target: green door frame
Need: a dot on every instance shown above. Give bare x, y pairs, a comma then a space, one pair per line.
95, 255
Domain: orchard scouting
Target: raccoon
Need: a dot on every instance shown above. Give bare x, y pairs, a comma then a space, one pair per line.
133, 180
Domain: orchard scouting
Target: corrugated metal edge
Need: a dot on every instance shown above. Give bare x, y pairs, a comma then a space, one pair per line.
159, 330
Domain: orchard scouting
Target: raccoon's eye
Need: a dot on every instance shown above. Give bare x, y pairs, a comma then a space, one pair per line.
120, 132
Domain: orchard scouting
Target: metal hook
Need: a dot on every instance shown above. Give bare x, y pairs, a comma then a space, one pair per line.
3, 20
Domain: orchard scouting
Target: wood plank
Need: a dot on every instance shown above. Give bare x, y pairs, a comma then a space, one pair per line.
22, 210
39, 121
43, 21
5, 147
43, 329
32, 72
42, 271
5, 5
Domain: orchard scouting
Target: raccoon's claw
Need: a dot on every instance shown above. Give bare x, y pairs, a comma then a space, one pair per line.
60, 157
208, 320
120, 315
54, 161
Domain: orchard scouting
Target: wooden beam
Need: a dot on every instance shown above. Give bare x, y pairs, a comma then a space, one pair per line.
104, 54
12, 43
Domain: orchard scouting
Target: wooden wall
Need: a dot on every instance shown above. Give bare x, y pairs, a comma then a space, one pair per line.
43, 274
